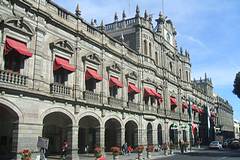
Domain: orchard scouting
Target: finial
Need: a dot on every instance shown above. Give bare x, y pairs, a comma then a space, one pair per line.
102, 27
115, 17
77, 11
92, 23
137, 11
181, 50
124, 15
122, 38
95, 22
145, 15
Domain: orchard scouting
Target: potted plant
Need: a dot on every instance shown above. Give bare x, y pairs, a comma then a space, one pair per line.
165, 148
172, 147
98, 154
115, 152
149, 149
139, 150
26, 154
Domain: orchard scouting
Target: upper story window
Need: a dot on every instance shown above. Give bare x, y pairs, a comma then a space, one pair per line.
173, 103
187, 76
150, 50
151, 95
156, 58
180, 73
132, 90
15, 52
171, 66
61, 69
145, 47
114, 84
91, 78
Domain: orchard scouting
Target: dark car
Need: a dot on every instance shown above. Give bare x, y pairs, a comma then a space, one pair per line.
235, 144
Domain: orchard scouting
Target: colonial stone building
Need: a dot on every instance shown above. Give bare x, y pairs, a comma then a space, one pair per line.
65, 79
224, 120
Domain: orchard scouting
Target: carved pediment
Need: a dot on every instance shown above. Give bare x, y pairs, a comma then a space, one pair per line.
132, 75
149, 81
114, 67
20, 25
92, 58
63, 45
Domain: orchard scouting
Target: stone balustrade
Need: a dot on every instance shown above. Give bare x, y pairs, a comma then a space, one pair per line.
92, 97
13, 78
133, 106
115, 102
56, 88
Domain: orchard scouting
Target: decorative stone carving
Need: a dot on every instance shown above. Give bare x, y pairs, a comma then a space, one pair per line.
92, 58
20, 25
132, 75
63, 45
114, 67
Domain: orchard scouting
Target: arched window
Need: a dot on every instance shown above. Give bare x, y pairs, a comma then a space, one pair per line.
150, 50
145, 47
180, 73
170, 66
187, 76
156, 58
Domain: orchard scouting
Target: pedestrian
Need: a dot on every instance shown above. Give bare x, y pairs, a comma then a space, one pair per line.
64, 149
130, 149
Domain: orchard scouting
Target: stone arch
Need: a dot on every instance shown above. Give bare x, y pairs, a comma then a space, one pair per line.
113, 117
130, 119
113, 128
57, 127
131, 133
160, 133
173, 133
89, 132
14, 107
10, 116
58, 109
93, 114
149, 133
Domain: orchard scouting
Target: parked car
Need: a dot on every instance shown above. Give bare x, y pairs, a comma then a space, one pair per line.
235, 144
215, 145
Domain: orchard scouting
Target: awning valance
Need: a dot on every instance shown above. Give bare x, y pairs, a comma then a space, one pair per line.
17, 46
173, 101
91, 73
62, 63
148, 92
115, 82
201, 110
133, 89
194, 107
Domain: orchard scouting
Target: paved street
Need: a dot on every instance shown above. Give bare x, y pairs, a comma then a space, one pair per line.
206, 155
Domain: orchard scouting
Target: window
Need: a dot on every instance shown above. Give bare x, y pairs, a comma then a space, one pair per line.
146, 100
131, 96
60, 76
150, 50
180, 73
13, 62
90, 85
156, 58
187, 76
113, 91
170, 66
145, 47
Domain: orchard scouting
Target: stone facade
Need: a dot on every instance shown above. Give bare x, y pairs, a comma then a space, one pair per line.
224, 120
236, 129
105, 116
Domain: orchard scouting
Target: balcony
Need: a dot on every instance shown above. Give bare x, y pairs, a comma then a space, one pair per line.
174, 115
12, 78
161, 112
133, 106
184, 117
60, 89
150, 108
115, 102
92, 97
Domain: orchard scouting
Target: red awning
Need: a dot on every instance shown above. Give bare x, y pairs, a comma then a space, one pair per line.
194, 128
184, 105
148, 92
19, 47
173, 101
91, 73
213, 114
201, 110
115, 82
194, 107
133, 88
62, 63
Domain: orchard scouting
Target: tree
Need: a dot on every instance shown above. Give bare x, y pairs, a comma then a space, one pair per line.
236, 85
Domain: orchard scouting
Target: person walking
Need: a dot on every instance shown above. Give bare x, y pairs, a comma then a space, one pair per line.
64, 149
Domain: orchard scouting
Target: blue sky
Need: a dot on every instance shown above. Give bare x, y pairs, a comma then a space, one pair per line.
209, 29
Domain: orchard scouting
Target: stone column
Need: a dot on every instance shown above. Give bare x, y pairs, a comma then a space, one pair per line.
102, 137
26, 136
165, 132
121, 135
73, 141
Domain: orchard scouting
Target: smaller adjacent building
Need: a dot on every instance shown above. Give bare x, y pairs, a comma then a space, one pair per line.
236, 129
224, 120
